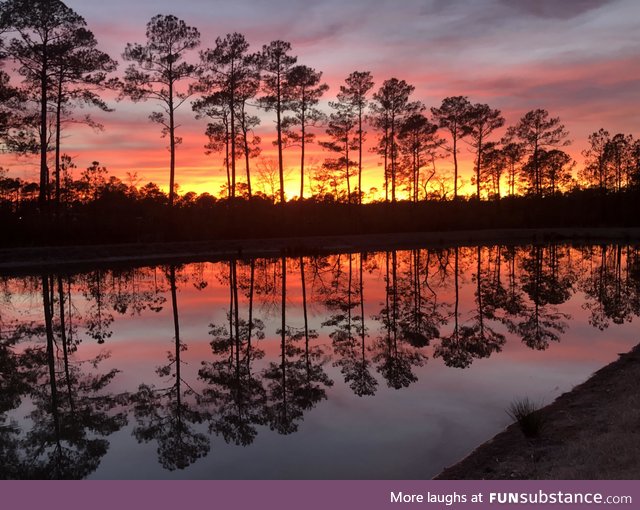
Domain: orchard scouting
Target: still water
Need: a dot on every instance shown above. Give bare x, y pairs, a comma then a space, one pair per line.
388, 365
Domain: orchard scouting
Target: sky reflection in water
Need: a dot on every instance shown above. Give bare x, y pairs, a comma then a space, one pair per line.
385, 365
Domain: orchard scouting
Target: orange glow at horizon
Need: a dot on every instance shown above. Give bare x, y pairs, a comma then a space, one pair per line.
211, 177
130, 143
201, 173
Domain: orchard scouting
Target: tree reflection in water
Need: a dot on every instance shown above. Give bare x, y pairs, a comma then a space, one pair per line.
281, 326
234, 394
166, 415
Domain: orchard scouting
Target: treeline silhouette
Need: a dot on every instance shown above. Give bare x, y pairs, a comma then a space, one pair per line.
140, 217
456, 305
62, 69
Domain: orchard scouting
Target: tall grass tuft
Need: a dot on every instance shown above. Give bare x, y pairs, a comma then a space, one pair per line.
527, 414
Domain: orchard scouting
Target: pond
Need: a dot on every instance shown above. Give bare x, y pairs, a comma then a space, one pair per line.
387, 365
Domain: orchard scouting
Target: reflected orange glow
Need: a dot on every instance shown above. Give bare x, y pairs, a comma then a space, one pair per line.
437, 329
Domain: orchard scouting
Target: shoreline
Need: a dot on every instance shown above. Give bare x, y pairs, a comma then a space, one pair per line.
25, 259
590, 433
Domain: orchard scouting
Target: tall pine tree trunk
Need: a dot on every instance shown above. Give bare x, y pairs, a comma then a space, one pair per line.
172, 146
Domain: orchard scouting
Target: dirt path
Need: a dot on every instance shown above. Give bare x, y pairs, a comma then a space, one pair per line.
590, 433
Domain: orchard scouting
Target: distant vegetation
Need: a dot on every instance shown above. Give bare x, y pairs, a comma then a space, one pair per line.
118, 215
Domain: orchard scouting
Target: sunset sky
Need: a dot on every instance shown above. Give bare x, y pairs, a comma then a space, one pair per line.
579, 59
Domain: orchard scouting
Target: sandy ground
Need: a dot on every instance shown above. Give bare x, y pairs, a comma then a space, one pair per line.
30, 259
590, 433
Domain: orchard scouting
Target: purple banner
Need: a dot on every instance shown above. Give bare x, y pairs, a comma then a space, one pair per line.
318, 495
